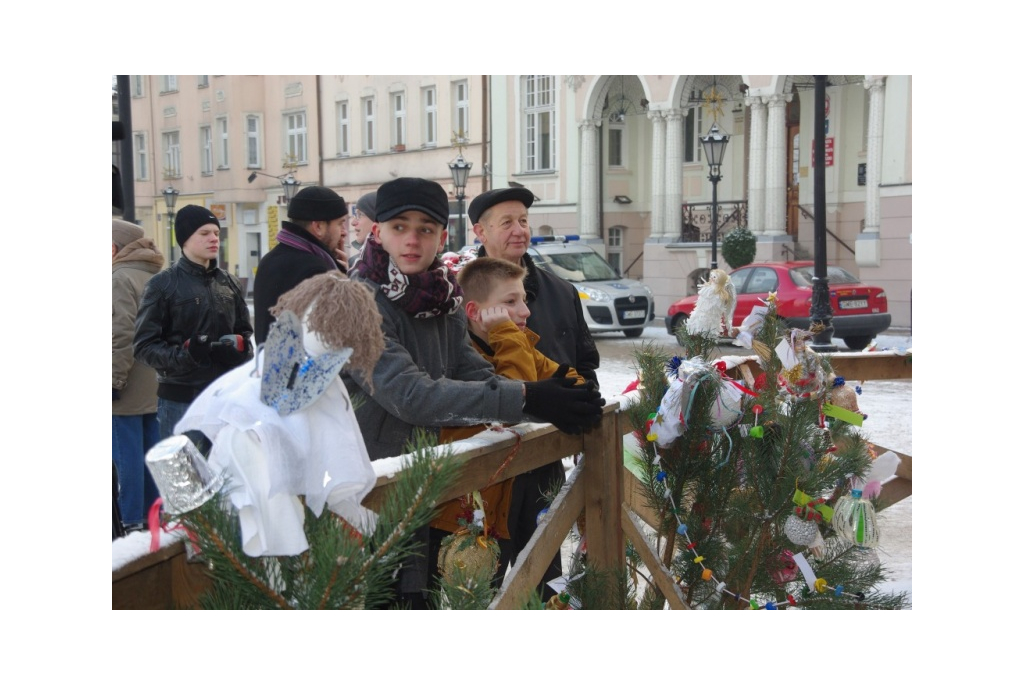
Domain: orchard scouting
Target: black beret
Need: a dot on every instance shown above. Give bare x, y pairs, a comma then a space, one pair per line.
481, 203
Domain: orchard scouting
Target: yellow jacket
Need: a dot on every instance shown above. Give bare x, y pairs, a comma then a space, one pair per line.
514, 355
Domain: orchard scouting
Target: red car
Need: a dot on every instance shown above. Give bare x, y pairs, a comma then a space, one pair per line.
859, 312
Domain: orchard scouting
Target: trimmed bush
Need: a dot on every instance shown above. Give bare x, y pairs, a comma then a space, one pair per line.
739, 247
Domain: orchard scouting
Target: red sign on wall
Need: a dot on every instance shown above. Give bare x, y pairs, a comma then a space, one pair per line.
830, 146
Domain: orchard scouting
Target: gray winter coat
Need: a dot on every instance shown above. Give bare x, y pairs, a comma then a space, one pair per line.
133, 266
429, 376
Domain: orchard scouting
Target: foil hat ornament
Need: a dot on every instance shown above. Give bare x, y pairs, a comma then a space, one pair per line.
182, 475
293, 378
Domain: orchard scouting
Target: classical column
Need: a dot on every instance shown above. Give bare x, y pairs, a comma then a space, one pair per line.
868, 250
673, 225
658, 175
775, 166
590, 180
876, 109
758, 132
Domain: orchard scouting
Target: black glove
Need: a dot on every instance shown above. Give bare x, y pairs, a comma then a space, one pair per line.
230, 350
558, 400
198, 347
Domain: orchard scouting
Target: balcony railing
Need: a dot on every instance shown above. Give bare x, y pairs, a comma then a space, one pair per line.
696, 226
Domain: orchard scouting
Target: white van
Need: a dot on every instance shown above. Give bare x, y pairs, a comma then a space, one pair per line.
610, 303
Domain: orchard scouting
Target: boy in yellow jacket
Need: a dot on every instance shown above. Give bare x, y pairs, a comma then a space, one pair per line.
495, 304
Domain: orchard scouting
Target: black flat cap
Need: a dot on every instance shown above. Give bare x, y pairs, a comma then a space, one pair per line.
481, 203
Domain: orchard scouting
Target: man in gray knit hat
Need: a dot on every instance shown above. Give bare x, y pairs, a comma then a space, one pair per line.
363, 218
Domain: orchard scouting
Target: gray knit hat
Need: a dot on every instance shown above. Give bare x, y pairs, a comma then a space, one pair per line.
125, 232
367, 205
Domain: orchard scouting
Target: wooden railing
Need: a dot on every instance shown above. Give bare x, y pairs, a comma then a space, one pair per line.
600, 487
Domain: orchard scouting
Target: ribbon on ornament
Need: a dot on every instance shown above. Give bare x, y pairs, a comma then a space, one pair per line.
811, 509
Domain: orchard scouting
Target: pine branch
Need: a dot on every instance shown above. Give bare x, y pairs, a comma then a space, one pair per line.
238, 565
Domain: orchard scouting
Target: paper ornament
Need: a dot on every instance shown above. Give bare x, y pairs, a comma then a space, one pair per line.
854, 520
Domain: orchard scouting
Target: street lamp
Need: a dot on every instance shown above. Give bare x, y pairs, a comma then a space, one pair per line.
460, 175
714, 149
170, 198
291, 186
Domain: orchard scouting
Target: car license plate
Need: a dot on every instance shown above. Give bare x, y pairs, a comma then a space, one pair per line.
641, 313
853, 304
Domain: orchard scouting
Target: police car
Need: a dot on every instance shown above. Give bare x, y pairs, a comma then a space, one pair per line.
610, 303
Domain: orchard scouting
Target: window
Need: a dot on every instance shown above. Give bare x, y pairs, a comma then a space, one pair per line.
141, 156
253, 158
168, 84
398, 121
460, 112
369, 132
693, 129
138, 86
295, 136
172, 155
205, 150
202, 81
222, 147
615, 248
539, 119
616, 139
430, 116
344, 130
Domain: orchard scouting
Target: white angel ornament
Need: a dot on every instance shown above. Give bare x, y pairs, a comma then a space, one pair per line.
716, 303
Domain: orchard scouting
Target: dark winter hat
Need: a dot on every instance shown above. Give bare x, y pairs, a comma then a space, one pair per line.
403, 194
484, 201
126, 232
367, 205
316, 203
190, 219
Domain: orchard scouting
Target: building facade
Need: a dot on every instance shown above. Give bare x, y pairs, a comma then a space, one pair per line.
616, 159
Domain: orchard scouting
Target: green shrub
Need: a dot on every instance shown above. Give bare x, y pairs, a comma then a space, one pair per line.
739, 247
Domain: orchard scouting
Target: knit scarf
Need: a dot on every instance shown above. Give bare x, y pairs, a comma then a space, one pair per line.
284, 235
434, 292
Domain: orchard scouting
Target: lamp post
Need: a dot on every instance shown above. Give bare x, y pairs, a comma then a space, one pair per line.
714, 149
821, 307
170, 198
460, 175
291, 186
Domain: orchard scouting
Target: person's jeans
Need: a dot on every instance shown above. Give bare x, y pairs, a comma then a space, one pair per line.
131, 437
170, 413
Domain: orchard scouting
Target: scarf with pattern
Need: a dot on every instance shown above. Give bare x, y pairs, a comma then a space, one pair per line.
434, 292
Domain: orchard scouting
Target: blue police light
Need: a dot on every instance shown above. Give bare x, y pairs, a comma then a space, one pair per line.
537, 239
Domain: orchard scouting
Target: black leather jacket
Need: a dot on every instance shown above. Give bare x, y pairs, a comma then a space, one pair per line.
179, 302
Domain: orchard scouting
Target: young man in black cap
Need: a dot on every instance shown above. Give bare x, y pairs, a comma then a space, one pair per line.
363, 219
193, 323
429, 374
501, 222
312, 243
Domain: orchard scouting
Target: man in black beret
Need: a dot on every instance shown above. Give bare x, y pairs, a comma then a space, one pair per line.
501, 223
193, 323
312, 243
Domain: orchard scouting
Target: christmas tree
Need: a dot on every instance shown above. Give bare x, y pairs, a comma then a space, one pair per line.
757, 491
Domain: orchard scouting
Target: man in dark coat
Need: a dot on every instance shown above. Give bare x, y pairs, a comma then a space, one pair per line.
308, 245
